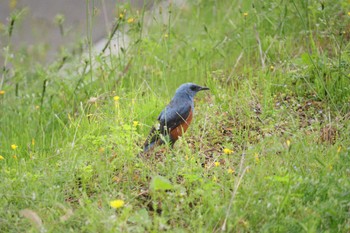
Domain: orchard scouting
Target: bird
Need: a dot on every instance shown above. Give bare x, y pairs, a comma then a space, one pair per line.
175, 118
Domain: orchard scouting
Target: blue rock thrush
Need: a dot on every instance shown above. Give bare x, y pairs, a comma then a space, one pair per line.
175, 118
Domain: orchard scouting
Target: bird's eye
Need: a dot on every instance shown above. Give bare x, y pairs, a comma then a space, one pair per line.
193, 88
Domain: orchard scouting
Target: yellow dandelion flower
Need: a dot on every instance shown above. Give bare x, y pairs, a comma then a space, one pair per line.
116, 204
330, 167
166, 35
121, 16
227, 151
1, 157
230, 171
14, 146
245, 14
12, 4
116, 98
135, 123
272, 68
37, 107
339, 149
2, 92
288, 143
349, 13
14, 156
256, 156
217, 163
131, 20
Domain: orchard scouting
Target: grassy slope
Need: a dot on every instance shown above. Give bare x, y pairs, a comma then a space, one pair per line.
76, 154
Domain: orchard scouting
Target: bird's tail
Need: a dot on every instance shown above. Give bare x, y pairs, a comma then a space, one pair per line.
149, 146
152, 140
156, 138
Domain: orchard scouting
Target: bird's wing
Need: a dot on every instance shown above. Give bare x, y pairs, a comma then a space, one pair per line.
172, 116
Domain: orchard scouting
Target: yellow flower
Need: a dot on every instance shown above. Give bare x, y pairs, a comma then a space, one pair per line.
339, 149
166, 36
230, 171
2, 92
116, 98
14, 146
330, 167
272, 68
228, 151
121, 16
15, 157
135, 123
101, 150
256, 156
245, 14
215, 179
12, 4
131, 20
288, 143
37, 107
116, 204
1, 157
349, 13
217, 164
33, 142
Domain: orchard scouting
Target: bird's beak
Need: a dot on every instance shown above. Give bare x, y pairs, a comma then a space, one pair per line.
204, 88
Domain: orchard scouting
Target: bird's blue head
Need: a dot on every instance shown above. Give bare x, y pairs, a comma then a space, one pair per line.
190, 89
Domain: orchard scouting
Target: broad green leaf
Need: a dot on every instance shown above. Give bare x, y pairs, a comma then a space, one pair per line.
160, 183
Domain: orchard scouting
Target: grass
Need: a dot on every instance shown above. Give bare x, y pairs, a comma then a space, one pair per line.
279, 104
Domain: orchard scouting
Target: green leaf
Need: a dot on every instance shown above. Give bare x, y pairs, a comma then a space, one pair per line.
160, 183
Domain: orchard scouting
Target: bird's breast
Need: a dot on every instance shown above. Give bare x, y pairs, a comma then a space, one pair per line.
181, 128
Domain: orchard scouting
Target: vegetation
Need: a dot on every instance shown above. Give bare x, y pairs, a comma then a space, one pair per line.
267, 151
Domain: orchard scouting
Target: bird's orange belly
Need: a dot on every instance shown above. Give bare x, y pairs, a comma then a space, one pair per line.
179, 130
